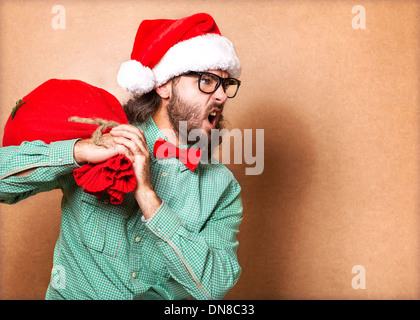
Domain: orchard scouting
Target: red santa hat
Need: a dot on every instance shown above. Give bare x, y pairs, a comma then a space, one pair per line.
164, 49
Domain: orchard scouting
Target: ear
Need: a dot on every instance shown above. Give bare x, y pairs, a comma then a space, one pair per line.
165, 90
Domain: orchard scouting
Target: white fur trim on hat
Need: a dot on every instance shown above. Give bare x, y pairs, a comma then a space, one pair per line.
135, 77
201, 53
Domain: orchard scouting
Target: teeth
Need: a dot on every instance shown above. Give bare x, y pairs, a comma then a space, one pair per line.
213, 113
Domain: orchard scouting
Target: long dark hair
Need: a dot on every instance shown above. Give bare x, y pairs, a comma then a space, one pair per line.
139, 108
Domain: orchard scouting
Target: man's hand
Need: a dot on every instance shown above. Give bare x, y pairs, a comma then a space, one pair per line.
133, 139
87, 151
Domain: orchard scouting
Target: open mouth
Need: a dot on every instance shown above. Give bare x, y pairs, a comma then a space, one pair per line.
212, 118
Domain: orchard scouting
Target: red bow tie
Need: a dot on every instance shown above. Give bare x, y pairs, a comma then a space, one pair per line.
164, 149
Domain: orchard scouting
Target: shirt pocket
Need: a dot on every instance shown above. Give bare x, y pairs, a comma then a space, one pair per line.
157, 265
93, 223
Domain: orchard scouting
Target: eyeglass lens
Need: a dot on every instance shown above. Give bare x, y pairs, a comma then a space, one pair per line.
209, 83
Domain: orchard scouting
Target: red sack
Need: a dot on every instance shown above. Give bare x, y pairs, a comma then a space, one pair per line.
44, 115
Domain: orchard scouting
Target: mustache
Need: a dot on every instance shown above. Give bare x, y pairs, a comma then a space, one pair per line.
215, 105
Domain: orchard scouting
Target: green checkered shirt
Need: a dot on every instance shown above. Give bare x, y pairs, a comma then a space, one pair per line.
104, 251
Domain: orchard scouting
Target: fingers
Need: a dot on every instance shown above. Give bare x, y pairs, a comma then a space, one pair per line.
132, 138
135, 148
129, 132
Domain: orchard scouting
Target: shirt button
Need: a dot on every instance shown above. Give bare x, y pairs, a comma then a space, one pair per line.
159, 229
60, 159
137, 239
164, 174
134, 275
106, 201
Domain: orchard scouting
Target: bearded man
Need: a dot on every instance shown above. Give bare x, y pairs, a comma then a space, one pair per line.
174, 236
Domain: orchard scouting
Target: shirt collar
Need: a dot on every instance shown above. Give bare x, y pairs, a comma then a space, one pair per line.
152, 133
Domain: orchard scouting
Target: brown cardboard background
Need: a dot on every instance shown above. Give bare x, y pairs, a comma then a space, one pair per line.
341, 117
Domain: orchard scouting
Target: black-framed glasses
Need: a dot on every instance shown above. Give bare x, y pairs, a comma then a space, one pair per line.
209, 82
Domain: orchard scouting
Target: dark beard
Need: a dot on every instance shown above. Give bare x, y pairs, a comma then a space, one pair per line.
181, 111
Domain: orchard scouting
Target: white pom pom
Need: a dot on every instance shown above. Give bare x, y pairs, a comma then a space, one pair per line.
135, 77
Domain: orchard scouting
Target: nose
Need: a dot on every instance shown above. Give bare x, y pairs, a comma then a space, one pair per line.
219, 95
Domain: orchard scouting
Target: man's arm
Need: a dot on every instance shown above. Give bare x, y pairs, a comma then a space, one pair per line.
33, 167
